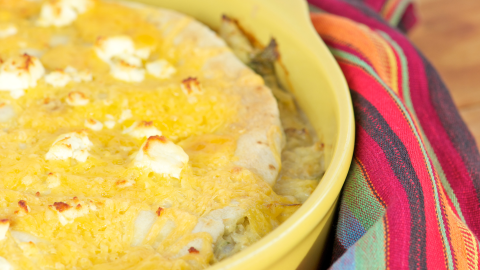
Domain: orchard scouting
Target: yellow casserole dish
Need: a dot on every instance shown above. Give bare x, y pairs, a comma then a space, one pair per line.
131, 205
321, 91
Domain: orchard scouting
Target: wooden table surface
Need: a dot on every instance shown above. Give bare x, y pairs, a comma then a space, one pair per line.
448, 34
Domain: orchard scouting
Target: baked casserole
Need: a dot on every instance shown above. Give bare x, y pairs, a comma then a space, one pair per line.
135, 137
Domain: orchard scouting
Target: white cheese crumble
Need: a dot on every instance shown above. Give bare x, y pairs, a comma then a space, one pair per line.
141, 129
62, 12
191, 86
70, 145
161, 156
6, 112
23, 208
126, 114
4, 264
161, 69
28, 180
79, 76
125, 61
77, 98
53, 180
107, 48
4, 225
143, 53
58, 78
8, 30
110, 124
83, 75
67, 212
93, 124
124, 183
125, 71
19, 73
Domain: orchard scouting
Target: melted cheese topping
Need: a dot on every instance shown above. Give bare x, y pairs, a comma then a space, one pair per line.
157, 188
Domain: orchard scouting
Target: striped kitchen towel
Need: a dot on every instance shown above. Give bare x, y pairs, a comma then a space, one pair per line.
412, 196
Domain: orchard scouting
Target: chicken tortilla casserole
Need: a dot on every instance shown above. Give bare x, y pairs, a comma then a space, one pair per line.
135, 137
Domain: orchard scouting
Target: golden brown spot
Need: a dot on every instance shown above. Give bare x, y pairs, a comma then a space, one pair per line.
189, 83
226, 18
75, 199
151, 139
82, 132
57, 10
126, 64
146, 124
79, 207
37, 194
294, 131
4, 221
271, 167
64, 140
76, 94
28, 61
23, 205
250, 36
121, 182
193, 250
91, 121
159, 211
61, 206
100, 40
52, 104
236, 169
